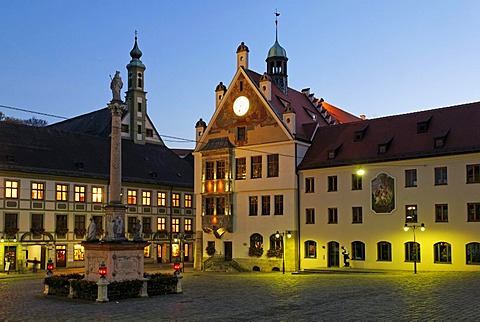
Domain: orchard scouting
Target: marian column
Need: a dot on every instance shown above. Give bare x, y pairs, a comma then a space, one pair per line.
115, 210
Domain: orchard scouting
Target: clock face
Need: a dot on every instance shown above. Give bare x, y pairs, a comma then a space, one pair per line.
241, 106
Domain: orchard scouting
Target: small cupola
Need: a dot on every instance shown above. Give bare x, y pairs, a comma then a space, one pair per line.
289, 118
220, 91
200, 127
242, 56
266, 86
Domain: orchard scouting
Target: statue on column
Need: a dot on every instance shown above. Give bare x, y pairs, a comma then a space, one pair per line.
92, 230
116, 86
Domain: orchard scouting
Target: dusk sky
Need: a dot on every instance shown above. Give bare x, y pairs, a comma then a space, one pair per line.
376, 58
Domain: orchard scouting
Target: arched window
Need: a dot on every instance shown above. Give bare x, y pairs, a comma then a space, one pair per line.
256, 241
384, 251
473, 253
442, 252
310, 249
276, 242
358, 251
139, 80
412, 252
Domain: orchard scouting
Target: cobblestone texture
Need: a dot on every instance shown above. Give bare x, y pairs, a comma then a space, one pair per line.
393, 296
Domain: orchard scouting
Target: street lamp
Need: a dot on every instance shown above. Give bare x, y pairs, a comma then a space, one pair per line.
277, 235
415, 250
181, 238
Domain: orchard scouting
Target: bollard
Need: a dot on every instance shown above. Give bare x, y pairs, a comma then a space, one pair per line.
102, 296
178, 287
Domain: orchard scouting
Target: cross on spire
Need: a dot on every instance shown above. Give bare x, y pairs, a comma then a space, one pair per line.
136, 34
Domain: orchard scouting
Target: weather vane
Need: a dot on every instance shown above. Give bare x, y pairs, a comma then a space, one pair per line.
276, 24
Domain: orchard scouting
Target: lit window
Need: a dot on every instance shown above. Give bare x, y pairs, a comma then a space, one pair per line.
78, 252
411, 213
11, 189
132, 197
256, 244
162, 199
38, 189
97, 194
256, 167
146, 251
310, 216
187, 225
310, 249
241, 169
146, 198
161, 224
411, 178
80, 193
62, 192
188, 201
175, 225
175, 200
442, 253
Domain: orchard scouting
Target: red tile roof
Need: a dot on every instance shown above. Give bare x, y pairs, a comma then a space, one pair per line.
304, 109
457, 125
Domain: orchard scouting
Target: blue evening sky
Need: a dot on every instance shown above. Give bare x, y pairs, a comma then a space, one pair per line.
375, 58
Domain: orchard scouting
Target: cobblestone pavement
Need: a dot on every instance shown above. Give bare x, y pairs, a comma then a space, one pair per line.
393, 296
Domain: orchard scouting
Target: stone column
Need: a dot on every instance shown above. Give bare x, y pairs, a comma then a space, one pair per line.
115, 211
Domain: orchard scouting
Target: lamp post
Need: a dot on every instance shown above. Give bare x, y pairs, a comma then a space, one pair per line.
181, 239
277, 235
415, 250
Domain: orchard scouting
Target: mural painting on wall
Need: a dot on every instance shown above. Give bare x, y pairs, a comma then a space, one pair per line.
383, 194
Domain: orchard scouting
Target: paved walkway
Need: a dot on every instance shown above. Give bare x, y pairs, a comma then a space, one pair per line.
208, 296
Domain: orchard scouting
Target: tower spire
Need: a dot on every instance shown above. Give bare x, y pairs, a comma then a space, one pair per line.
276, 24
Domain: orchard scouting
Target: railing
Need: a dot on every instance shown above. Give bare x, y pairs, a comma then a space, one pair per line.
221, 258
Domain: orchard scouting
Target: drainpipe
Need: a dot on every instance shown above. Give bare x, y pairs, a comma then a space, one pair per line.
298, 209
171, 232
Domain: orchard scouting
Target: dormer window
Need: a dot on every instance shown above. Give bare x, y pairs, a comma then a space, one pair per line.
440, 140
358, 135
10, 158
332, 154
383, 147
422, 126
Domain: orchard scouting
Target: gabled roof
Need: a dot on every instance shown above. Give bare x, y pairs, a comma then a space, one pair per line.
397, 137
46, 150
96, 123
304, 108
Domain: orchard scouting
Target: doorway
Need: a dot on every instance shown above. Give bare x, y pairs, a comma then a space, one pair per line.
228, 250
61, 255
10, 263
333, 254
160, 253
186, 252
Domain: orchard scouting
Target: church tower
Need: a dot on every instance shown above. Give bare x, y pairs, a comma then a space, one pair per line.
277, 62
136, 96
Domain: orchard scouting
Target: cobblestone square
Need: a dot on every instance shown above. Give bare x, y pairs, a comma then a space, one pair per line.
392, 296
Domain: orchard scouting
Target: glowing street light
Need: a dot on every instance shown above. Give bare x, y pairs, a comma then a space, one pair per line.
277, 235
415, 250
